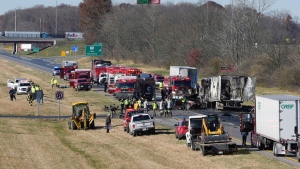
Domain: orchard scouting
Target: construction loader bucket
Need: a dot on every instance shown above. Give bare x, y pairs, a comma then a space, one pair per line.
215, 139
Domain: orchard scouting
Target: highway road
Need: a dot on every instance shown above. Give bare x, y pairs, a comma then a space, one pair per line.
230, 119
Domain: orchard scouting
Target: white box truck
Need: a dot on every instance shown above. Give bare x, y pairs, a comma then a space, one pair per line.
272, 123
190, 72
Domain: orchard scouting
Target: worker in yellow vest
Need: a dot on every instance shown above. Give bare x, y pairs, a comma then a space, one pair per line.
161, 85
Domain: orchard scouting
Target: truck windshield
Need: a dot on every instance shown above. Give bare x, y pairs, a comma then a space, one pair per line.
196, 122
25, 84
124, 85
83, 76
82, 81
141, 118
182, 83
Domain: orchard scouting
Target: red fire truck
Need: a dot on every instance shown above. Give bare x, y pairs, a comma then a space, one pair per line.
79, 74
99, 67
66, 68
180, 85
133, 86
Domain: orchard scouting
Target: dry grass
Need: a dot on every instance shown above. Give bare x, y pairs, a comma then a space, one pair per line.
38, 143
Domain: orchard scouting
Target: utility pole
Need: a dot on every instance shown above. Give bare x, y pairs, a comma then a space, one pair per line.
56, 20
15, 19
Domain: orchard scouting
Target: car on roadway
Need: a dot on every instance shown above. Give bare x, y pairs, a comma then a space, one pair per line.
181, 129
56, 71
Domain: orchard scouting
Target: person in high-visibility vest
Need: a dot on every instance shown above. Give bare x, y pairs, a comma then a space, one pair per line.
140, 103
55, 82
154, 106
183, 100
52, 83
122, 104
126, 103
161, 85
136, 106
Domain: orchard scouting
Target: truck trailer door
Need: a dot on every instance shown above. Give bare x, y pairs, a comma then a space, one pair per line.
249, 89
214, 88
193, 75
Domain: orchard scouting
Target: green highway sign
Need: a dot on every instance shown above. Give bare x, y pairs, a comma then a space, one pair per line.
36, 49
93, 50
143, 1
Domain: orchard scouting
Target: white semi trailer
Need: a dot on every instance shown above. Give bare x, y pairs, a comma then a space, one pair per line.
272, 123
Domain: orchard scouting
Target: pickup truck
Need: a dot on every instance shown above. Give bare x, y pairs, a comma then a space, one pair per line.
141, 123
14, 83
82, 84
127, 117
23, 87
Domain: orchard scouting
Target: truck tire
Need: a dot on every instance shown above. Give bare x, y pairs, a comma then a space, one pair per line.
192, 145
202, 152
188, 106
69, 124
73, 126
134, 133
127, 129
188, 145
275, 153
92, 125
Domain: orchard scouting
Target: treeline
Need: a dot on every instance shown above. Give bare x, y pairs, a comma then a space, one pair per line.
203, 35
42, 19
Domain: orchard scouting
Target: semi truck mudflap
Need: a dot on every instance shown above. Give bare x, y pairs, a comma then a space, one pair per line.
249, 89
215, 88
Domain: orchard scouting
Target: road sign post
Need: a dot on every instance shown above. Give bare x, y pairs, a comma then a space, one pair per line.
93, 50
59, 95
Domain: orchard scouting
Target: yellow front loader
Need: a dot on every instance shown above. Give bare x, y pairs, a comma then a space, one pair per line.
81, 117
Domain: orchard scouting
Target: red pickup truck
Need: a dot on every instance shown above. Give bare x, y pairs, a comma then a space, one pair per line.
82, 84
127, 117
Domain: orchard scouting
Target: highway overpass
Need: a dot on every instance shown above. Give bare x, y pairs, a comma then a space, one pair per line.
15, 41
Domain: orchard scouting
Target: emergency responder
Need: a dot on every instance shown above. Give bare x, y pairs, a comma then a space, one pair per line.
183, 101
161, 85
105, 86
136, 106
140, 103
154, 106
126, 103
55, 82
162, 92
162, 107
52, 83
31, 82
169, 107
198, 88
108, 123
122, 104
33, 92
146, 106
12, 94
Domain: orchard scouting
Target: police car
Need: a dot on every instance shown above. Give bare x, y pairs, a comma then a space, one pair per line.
56, 71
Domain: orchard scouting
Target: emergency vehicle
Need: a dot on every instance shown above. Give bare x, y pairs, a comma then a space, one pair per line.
99, 67
79, 74
180, 85
66, 68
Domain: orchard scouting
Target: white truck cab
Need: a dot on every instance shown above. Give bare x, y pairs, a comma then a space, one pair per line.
23, 87
14, 83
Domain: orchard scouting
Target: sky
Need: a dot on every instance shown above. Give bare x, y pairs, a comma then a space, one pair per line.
281, 5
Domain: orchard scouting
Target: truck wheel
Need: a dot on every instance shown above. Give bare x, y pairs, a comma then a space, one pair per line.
69, 124
127, 129
202, 152
92, 125
188, 106
192, 145
258, 145
188, 145
73, 126
275, 153
134, 133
